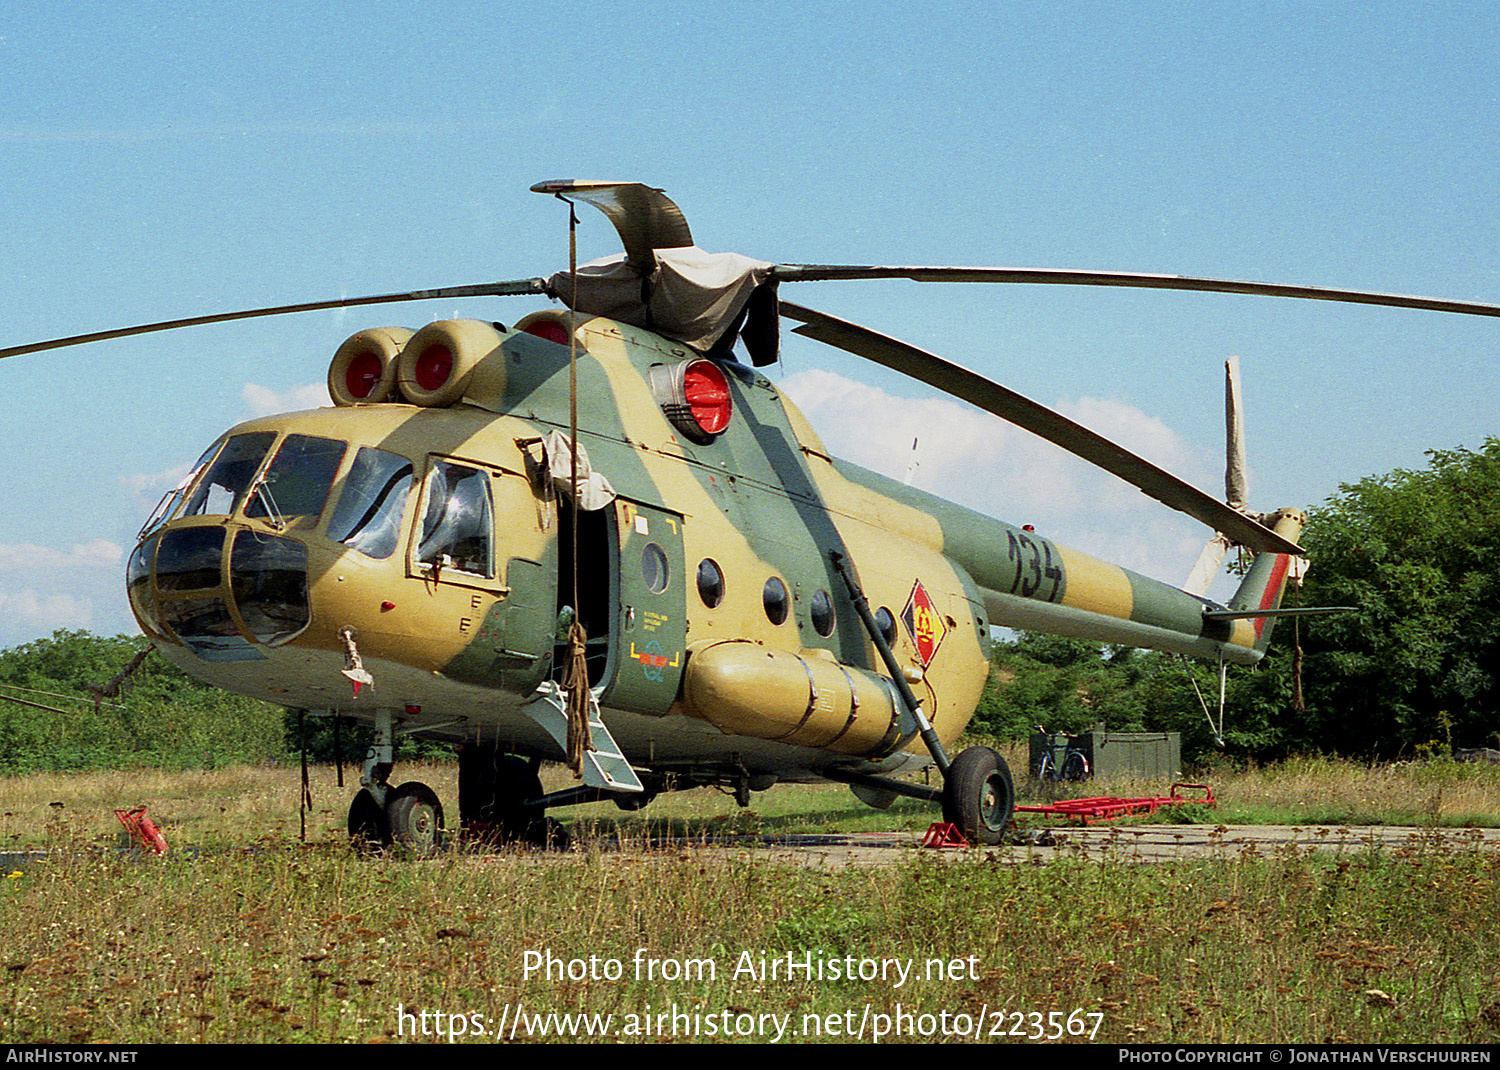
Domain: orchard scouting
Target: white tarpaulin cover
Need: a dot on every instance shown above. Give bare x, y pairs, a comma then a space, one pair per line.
594, 490
692, 296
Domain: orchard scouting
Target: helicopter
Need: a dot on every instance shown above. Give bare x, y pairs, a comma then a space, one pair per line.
601, 535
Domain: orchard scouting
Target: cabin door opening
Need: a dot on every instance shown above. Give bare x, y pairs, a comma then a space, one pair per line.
597, 583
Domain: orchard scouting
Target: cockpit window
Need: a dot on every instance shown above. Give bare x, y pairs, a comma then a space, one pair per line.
227, 479
298, 479
457, 522
170, 500
368, 515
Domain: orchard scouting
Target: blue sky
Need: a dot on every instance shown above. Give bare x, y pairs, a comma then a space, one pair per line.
164, 159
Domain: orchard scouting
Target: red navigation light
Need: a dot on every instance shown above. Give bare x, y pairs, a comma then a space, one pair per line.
362, 375
434, 365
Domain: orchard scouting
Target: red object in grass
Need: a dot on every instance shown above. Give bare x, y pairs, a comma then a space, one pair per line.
142, 830
944, 834
1105, 808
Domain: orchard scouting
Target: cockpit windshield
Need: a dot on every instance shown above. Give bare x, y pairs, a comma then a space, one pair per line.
169, 502
226, 481
297, 480
243, 474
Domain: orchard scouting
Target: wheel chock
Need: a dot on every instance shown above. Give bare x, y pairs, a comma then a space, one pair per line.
944, 834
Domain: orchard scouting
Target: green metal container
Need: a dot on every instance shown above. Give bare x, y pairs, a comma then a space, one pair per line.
1143, 755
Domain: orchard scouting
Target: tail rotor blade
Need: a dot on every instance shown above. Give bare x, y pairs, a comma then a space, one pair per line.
1207, 567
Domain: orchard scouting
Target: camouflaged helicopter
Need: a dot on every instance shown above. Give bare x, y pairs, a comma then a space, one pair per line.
600, 535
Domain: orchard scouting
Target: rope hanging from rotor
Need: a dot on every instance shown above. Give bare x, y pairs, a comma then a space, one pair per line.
305, 803
576, 673
1297, 702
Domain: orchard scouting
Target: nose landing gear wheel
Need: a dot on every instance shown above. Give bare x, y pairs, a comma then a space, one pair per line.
415, 817
978, 795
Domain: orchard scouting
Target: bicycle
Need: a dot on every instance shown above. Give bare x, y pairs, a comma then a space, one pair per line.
1075, 763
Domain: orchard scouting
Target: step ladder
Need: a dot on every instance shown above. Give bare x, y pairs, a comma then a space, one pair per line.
604, 766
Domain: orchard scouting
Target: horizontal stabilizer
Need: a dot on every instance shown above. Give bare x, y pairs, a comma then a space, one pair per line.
1255, 614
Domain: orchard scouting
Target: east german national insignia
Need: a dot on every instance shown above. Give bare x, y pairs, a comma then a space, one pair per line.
923, 623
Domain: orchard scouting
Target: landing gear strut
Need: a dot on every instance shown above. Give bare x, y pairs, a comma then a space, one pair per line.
978, 795
408, 817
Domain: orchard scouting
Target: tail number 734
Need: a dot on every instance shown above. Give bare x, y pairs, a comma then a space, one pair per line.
1037, 574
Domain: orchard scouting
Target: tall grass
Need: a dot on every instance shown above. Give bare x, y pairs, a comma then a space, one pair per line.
246, 804
288, 944
242, 933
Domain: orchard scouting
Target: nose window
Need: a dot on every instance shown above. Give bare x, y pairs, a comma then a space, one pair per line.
269, 578
189, 559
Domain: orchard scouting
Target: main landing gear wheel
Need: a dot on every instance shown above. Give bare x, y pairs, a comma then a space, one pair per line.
493, 792
978, 795
369, 830
415, 817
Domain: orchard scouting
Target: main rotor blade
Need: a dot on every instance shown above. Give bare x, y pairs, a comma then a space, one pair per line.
822, 272
488, 289
1038, 419
645, 217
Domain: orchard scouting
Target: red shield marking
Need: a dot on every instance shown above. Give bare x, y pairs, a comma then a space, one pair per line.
923, 623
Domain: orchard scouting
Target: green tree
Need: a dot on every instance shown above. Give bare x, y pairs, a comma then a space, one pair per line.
162, 717
1418, 554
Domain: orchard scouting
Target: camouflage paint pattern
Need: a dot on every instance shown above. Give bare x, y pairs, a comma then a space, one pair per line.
690, 671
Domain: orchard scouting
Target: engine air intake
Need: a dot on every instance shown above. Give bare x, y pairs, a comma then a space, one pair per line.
436, 365
363, 371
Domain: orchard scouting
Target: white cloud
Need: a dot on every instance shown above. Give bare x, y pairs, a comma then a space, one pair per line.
990, 465
148, 488
145, 482
99, 553
264, 401
25, 613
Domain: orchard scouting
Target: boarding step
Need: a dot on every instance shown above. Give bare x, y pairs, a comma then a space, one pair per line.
604, 766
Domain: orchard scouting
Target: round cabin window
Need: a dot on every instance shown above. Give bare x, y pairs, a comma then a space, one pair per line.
710, 582
776, 600
654, 568
822, 613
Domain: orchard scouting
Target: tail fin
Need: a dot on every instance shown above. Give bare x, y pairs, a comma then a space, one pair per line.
1264, 584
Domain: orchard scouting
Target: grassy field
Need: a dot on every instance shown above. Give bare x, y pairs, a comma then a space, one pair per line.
243, 805
261, 938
